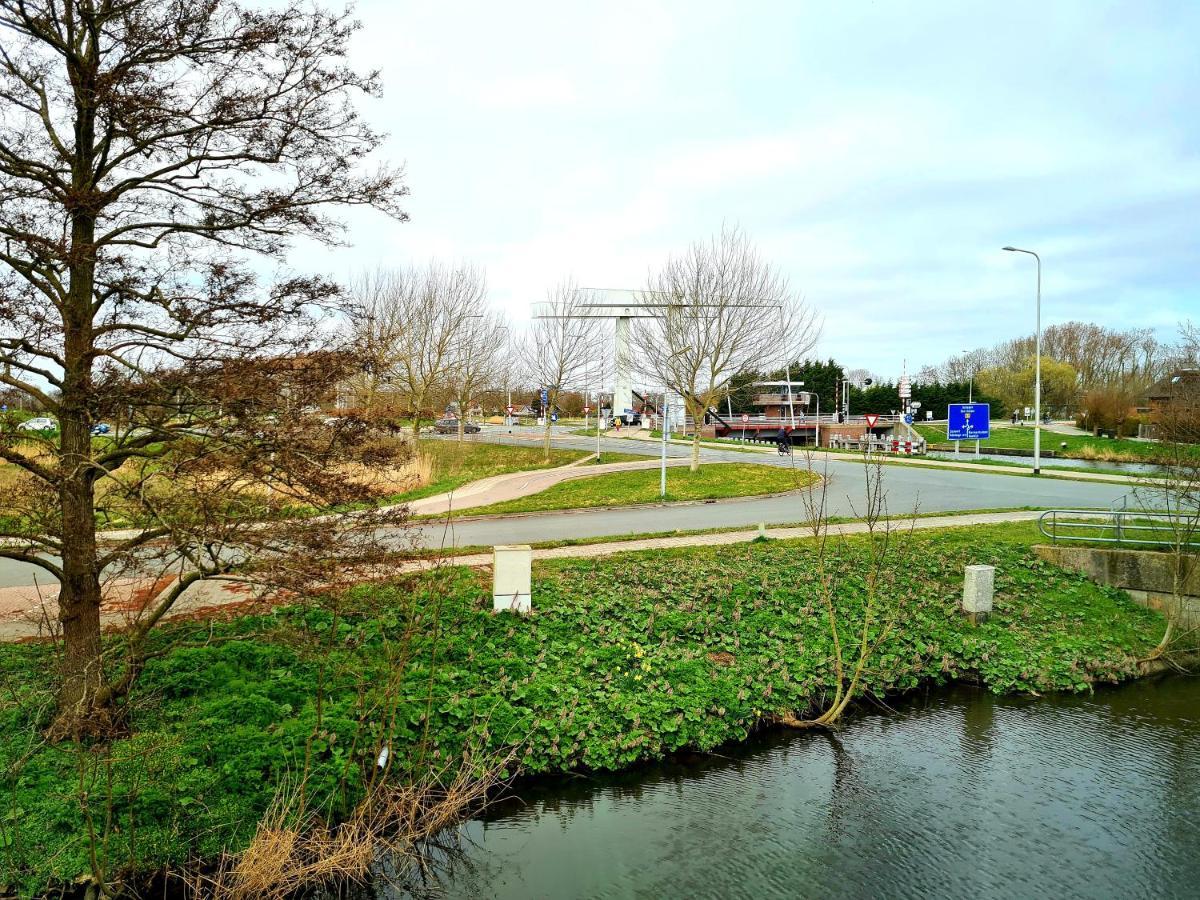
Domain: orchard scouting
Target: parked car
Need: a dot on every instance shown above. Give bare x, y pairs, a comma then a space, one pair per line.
38, 423
101, 428
450, 426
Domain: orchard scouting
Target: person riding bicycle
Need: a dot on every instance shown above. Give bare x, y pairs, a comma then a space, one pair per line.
784, 442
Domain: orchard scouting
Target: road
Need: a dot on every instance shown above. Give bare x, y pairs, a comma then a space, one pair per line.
908, 488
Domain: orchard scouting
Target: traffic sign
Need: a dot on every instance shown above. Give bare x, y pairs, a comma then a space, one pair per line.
969, 422
511, 409
871, 418
586, 410
908, 418
745, 418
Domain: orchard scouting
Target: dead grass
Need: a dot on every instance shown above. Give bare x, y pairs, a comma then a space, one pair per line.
408, 824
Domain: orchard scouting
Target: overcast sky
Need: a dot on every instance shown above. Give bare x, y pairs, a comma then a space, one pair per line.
880, 153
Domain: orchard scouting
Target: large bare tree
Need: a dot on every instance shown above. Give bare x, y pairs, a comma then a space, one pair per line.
724, 310
147, 148
564, 345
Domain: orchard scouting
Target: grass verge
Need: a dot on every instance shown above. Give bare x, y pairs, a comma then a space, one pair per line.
713, 481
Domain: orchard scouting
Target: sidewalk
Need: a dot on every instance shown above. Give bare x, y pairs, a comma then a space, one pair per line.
499, 488
25, 610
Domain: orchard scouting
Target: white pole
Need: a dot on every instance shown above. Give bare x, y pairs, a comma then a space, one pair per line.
662, 481
1037, 382
1037, 390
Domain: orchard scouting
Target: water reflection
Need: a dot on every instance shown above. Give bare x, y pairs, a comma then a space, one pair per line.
960, 795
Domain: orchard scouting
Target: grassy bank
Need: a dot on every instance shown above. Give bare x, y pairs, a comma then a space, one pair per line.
627, 658
1079, 446
713, 481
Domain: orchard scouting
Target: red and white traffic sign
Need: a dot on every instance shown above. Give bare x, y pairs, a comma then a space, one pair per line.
745, 418
586, 410
511, 409
871, 418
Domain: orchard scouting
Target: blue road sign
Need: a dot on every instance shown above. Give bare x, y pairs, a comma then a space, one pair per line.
908, 418
553, 417
969, 422
545, 397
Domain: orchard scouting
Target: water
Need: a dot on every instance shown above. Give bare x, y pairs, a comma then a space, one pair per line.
1133, 468
958, 794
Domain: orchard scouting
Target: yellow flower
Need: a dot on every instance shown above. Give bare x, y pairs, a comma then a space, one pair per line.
637, 677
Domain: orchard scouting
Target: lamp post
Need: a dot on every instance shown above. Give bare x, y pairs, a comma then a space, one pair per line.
1037, 376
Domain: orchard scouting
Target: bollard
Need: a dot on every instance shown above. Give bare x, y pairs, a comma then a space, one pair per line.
511, 583
762, 530
978, 585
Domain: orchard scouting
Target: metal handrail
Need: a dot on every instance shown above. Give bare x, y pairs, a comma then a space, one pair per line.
1118, 526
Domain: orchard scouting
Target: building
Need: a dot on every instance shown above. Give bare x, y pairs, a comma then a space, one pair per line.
1175, 406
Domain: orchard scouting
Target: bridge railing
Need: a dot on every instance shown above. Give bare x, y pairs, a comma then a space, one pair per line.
1120, 526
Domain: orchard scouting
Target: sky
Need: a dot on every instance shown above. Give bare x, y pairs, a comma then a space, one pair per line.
879, 153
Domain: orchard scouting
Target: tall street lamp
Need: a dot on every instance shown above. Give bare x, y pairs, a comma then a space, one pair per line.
1037, 384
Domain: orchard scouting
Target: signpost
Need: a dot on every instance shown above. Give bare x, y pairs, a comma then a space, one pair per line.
585, 416
745, 419
871, 418
969, 422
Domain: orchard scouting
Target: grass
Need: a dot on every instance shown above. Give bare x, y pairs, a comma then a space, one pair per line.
1009, 437
626, 658
713, 481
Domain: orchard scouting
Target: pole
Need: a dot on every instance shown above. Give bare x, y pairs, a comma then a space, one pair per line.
971, 399
1037, 376
662, 480
1037, 389
787, 368
598, 426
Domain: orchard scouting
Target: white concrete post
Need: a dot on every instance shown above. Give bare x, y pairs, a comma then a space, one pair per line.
978, 586
511, 582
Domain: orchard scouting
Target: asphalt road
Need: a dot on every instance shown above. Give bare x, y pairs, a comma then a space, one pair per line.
907, 489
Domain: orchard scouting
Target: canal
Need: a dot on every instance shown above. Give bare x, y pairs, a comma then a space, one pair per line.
952, 794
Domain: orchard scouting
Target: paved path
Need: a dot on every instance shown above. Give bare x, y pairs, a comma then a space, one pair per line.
512, 485
27, 612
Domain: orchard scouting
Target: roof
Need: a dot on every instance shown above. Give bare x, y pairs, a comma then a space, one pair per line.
1165, 388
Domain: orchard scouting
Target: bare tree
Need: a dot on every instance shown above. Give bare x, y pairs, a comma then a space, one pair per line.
562, 348
146, 145
724, 310
478, 356
413, 319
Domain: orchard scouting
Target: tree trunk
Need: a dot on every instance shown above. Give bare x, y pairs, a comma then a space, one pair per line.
79, 596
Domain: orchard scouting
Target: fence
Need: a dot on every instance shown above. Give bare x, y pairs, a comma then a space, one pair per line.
1119, 526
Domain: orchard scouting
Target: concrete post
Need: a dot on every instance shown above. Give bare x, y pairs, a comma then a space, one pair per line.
511, 583
978, 587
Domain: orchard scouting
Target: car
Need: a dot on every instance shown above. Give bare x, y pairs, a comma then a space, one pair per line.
450, 426
101, 428
38, 423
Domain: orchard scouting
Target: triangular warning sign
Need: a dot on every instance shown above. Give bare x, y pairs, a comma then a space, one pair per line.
871, 418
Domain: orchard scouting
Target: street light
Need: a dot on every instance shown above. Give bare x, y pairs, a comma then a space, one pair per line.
1037, 377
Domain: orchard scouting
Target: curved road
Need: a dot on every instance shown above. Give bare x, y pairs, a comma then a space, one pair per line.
908, 488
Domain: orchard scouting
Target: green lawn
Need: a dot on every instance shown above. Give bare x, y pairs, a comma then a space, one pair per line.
626, 658
1078, 446
713, 481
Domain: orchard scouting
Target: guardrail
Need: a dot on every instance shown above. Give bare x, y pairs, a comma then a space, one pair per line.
1119, 526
